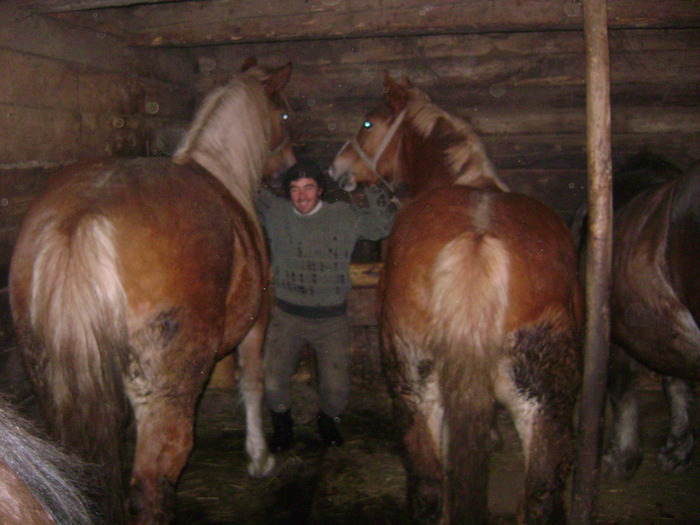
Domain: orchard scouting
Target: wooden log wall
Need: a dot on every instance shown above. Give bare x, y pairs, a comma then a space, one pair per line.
118, 77
67, 94
523, 91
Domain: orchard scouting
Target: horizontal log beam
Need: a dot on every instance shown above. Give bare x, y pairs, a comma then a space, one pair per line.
206, 22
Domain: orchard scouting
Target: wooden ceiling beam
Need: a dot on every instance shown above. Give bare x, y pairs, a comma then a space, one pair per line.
62, 6
192, 23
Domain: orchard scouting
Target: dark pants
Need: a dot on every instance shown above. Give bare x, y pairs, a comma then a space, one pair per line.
330, 339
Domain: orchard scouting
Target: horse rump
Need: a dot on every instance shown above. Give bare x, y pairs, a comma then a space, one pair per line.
69, 311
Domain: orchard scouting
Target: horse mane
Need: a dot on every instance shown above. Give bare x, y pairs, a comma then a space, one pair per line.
465, 151
229, 136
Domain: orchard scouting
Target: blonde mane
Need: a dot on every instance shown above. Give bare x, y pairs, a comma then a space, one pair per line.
230, 137
467, 156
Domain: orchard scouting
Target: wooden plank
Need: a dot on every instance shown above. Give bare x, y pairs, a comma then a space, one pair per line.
563, 190
197, 23
508, 59
43, 36
118, 94
29, 80
339, 123
365, 274
57, 6
38, 134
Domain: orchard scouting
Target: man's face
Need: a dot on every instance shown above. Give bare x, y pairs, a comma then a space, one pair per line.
305, 194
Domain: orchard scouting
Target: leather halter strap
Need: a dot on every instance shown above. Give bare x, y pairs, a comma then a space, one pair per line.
280, 146
372, 162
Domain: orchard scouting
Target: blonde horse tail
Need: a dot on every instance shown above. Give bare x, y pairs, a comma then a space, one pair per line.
470, 282
77, 313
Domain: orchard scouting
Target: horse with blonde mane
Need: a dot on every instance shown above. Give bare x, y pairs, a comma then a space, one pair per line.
132, 277
479, 303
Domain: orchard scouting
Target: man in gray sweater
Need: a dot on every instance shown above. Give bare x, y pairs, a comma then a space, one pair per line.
311, 242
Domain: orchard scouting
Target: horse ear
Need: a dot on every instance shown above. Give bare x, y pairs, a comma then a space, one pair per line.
396, 94
249, 62
279, 78
407, 83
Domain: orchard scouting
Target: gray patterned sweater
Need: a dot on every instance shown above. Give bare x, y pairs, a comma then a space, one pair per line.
311, 253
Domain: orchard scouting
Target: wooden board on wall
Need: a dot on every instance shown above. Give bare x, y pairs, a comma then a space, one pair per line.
197, 23
524, 92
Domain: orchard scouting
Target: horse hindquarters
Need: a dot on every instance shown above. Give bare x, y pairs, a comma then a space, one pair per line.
69, 310
538, 384
440, 364
418, 414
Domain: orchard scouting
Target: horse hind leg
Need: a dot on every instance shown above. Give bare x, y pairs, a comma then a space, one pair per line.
623, 454
538, 385
676, 453
169, 367
250, 360
418, 413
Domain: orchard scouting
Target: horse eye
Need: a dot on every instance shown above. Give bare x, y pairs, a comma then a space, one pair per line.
367, 124
285, 116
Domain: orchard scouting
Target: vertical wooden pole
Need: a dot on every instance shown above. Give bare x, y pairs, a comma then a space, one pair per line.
598, 261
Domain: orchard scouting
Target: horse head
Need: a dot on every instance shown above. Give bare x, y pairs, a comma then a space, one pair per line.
370, 157
281, 156
410, 142
239, 133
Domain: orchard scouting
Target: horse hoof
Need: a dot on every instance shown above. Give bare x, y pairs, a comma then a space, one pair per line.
622, 466
262, 468
672, 463
677, 454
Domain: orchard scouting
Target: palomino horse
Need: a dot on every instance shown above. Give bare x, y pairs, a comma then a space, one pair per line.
131, 278
478, 301
655, 305
39, 483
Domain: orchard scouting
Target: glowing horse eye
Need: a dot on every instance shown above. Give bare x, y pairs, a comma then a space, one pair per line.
366, 124
285, 116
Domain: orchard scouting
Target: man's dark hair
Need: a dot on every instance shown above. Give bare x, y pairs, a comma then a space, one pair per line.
302, 169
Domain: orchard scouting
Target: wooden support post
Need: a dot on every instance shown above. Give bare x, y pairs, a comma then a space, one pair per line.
598, 261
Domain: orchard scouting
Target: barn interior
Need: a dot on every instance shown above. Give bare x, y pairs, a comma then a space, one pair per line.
85, 78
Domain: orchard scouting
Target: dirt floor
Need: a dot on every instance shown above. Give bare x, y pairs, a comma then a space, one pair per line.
363, 482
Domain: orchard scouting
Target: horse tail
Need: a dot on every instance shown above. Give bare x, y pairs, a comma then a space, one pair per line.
470, 282
39, 483
77, 313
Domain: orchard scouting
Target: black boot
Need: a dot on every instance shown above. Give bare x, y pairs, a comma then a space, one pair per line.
283, 431
328, 430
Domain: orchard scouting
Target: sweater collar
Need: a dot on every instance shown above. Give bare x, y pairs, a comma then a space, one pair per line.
318, 206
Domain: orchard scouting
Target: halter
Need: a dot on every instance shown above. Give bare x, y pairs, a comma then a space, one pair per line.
372, 162
280, 146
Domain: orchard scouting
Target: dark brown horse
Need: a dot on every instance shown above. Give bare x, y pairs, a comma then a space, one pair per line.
478, 302
39, 483
131, 278
655, 304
